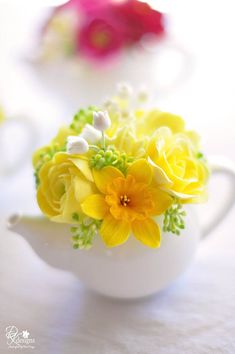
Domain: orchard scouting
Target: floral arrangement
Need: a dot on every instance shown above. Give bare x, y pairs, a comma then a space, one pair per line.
99, 29
117, 168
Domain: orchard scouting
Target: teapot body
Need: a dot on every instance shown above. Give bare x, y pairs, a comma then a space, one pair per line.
131, 270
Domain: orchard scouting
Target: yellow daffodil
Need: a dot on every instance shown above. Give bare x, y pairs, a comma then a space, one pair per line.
65, 182
127, 203
175, 164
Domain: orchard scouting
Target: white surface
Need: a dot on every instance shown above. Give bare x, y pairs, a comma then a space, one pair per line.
196, 314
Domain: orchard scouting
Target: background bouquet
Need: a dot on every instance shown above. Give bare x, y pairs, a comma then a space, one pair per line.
98, 30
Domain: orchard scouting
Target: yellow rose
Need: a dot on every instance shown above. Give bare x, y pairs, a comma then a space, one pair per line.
64, 182
176, 165
148, 122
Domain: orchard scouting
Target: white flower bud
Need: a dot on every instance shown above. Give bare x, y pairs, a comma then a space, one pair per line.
90, 134
124, 90
77, 145
101, 120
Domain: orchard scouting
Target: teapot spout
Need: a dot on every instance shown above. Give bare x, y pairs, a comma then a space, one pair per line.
48, 239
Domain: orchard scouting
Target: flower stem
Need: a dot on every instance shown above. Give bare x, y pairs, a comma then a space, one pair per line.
94, 147
103, 140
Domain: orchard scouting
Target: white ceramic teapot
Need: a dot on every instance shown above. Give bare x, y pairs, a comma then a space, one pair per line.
128, 271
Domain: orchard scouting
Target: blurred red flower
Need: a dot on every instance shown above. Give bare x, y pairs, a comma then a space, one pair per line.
99, 38
107, 26
140, 19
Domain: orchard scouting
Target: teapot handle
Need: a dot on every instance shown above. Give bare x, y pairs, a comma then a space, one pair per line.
222, 166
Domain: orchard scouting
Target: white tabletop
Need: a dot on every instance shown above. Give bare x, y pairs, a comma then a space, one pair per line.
194, 315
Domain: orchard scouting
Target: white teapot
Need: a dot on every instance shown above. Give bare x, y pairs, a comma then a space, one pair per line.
128, 271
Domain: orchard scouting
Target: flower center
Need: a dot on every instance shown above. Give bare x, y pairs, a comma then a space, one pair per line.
100, 39
128, 199
124, 200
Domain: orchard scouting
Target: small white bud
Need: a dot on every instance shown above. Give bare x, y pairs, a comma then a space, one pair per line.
77, 145
101, 120
90, 134
124, 90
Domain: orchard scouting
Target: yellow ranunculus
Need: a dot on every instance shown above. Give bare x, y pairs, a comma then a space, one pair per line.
65, 181
176, 166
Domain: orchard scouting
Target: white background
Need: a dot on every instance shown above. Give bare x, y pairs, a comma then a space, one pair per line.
196, 315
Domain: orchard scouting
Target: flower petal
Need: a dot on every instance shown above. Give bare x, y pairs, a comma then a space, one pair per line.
177, 194
95, 206
159, 175
103, 177
162, 201
141, 171
44, 205
147, 232
82, 188
68, 206
114, 232
83, 166
165, 119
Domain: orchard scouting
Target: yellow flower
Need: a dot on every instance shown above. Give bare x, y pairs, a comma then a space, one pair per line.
148, 122
127, 204
176, 166
65, 182
125, 141
131, 134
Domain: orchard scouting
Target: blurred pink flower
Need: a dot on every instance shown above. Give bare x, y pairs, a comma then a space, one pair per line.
99, 38
107, 26
86, 5
139, 19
